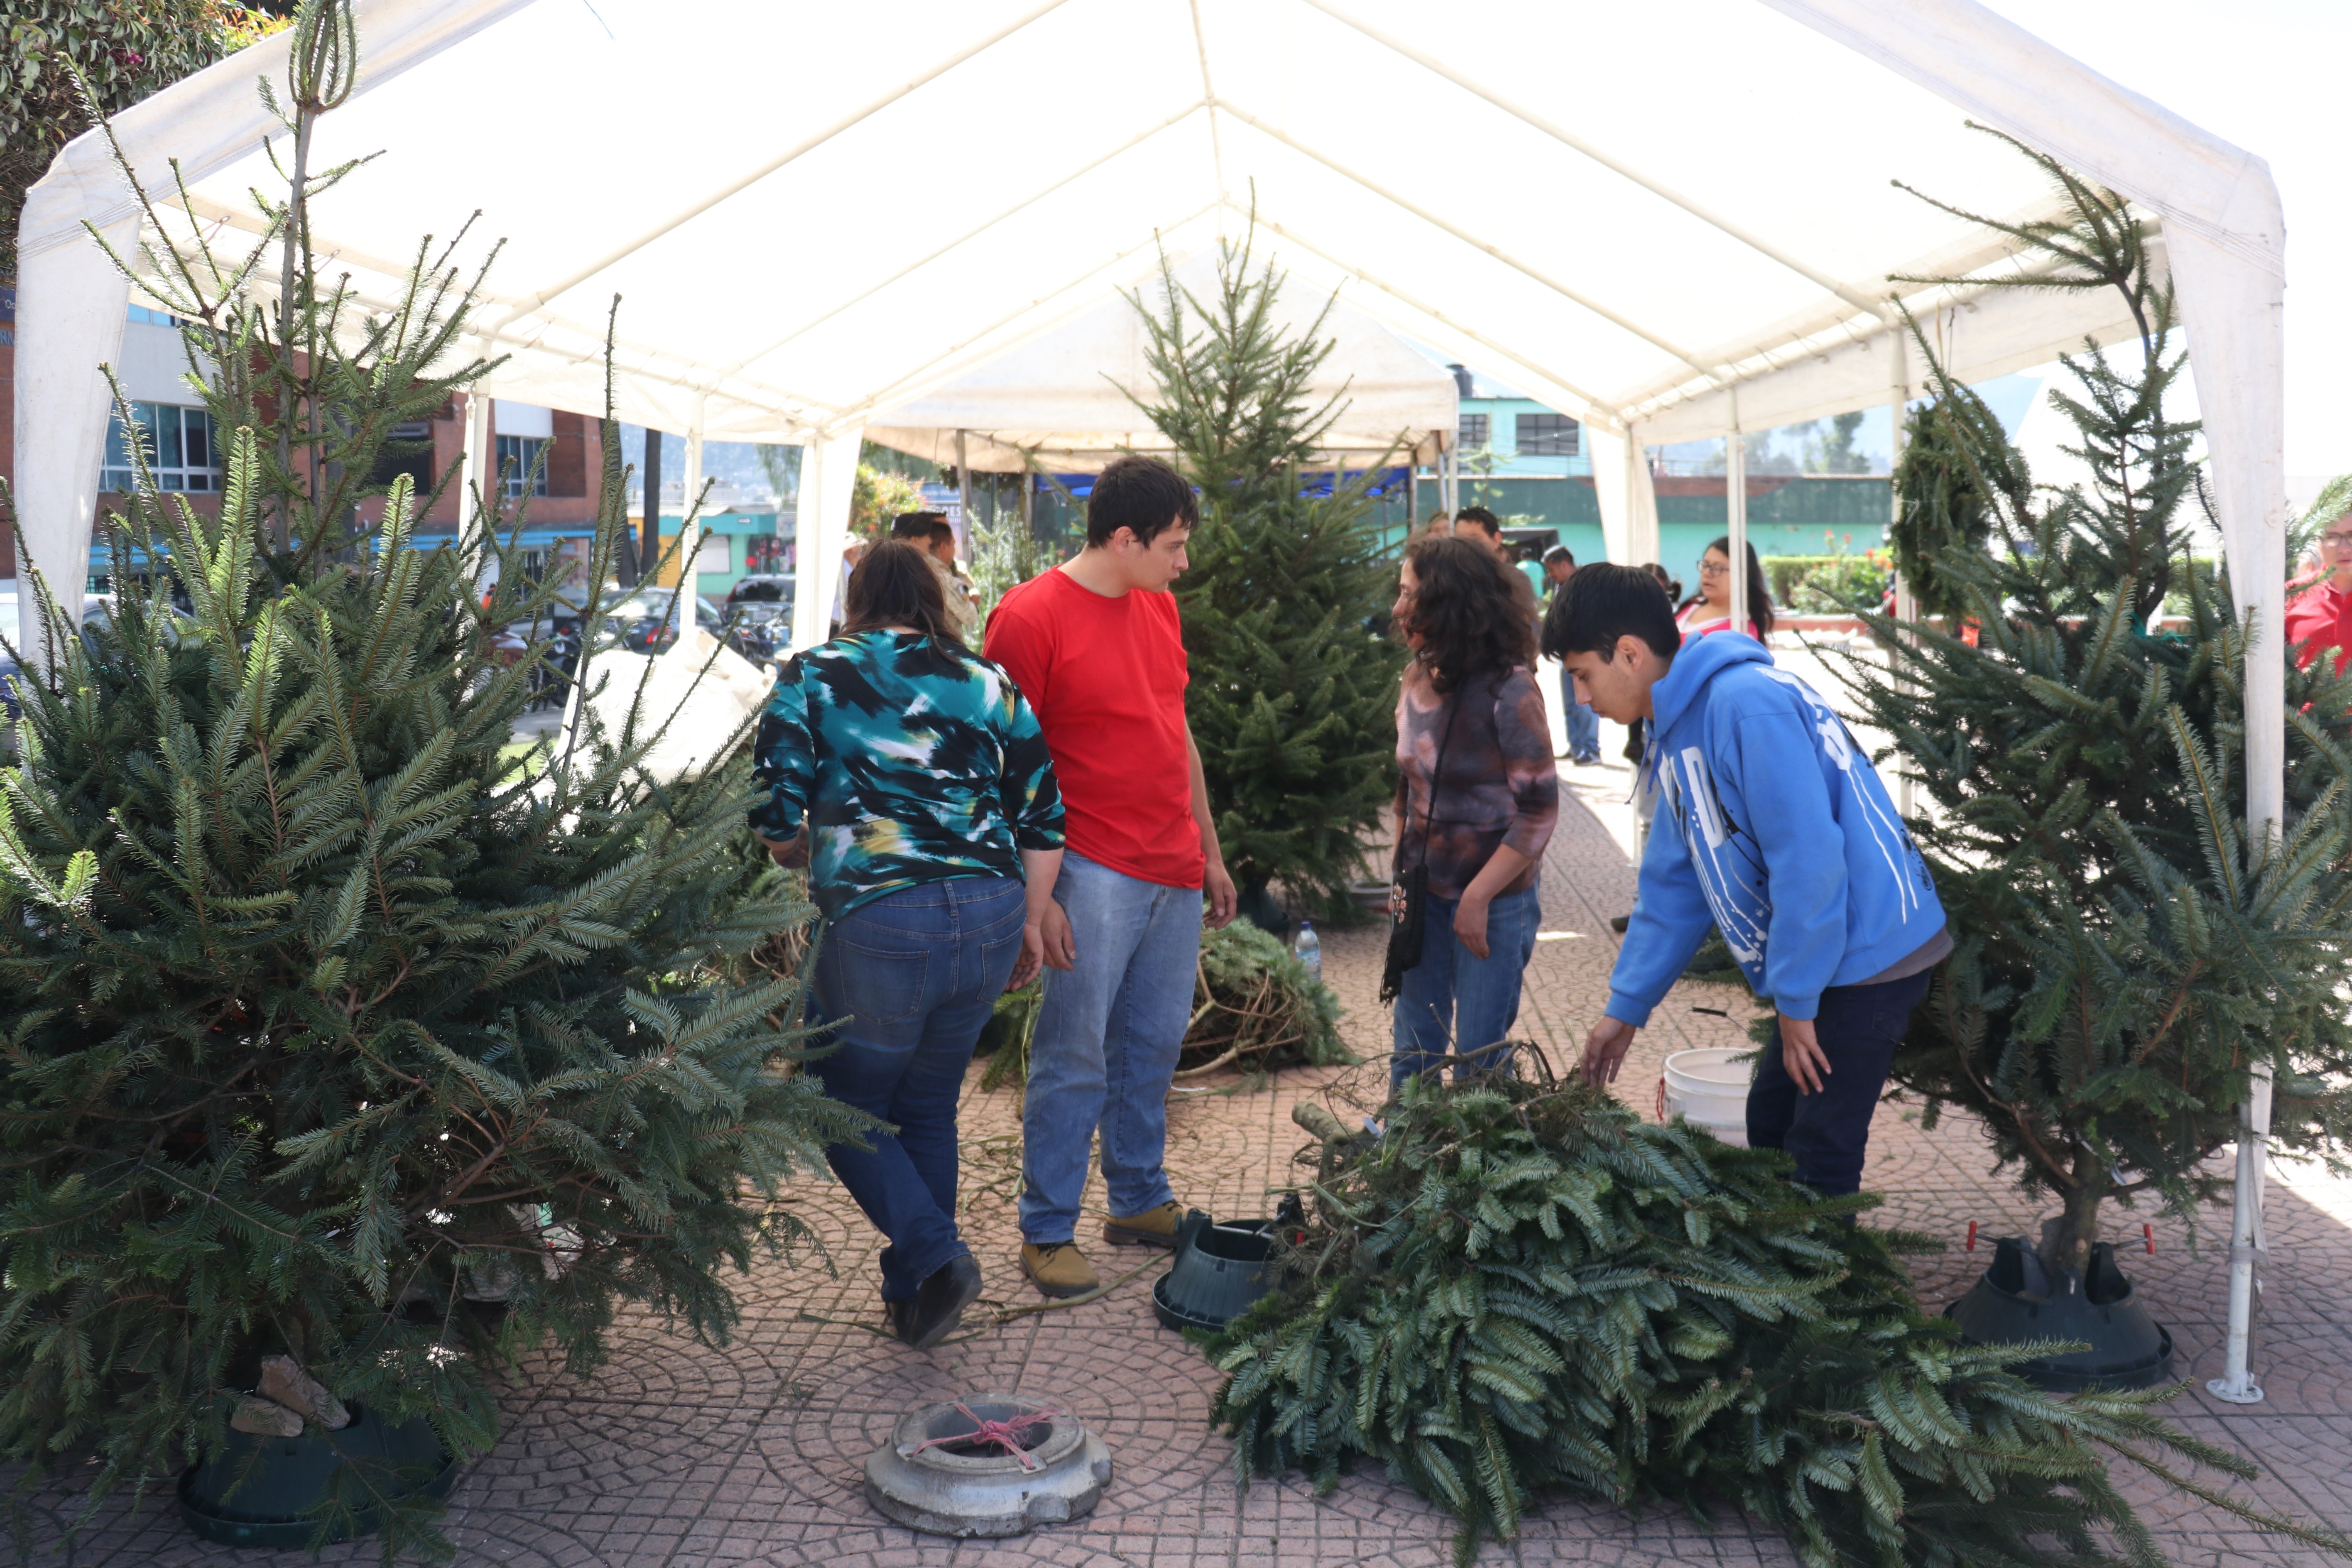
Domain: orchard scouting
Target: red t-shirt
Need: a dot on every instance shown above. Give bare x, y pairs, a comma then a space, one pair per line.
2317, 617
1106, 678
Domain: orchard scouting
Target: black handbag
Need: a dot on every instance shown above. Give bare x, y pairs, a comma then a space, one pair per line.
1409, 890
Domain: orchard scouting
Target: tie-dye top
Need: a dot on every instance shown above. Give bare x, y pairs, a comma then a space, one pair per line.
1500, 786
909, 762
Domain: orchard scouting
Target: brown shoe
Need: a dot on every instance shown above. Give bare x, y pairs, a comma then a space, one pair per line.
1057, 1268
1152, 1227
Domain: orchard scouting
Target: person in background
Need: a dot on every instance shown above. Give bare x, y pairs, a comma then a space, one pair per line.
1582, 725
911, 778
930, 532
1097, 647
1485, 529
1709, 609
2319, 606
1436, 527
1476, 798
1667, 580
1774, 828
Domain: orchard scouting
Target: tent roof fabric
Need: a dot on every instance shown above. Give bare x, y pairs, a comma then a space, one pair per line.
1073, 398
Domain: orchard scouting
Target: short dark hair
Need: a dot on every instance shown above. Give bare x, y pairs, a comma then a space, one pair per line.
1559, 553
916, 524
1485, 519
1604, 602
1143, 495
894, 585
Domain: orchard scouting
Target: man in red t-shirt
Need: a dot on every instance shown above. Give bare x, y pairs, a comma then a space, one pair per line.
1096, 649
2319, 611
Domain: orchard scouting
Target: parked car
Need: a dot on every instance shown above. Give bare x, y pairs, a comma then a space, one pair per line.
645, 625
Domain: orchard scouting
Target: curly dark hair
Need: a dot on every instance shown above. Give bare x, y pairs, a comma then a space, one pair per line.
1464, 612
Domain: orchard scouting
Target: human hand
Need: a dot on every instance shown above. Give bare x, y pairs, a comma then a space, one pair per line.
1470, 924
1057, 945
1801, 1055
1217, 883
1605, 1048
790, 853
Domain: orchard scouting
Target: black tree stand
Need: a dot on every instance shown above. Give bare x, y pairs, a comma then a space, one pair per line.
2022, 1299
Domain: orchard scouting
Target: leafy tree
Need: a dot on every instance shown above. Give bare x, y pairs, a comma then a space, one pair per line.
1831, 450
1293, 698
2125, 958
318, 1006
1519, 1288
121, 50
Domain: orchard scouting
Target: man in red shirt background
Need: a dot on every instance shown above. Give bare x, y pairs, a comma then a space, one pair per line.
2319, 612
1097, 647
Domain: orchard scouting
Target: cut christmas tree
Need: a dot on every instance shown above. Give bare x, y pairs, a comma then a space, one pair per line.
1519, 1289
1293, 697
322, 1010
2125, 959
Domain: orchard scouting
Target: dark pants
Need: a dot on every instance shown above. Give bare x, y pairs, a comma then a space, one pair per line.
911, 978
1826, 1132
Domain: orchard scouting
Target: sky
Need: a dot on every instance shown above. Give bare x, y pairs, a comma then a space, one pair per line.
2261, 74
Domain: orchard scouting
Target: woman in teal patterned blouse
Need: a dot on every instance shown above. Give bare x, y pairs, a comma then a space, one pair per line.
910, 775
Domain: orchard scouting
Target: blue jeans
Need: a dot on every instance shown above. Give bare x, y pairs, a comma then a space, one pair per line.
911, 978
1452, 1001
1856, 1028
1107, 1035
1583, 723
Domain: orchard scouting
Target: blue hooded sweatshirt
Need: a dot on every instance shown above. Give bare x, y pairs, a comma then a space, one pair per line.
1773, 827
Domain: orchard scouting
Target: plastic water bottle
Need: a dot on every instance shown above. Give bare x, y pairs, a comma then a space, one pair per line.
1309, 951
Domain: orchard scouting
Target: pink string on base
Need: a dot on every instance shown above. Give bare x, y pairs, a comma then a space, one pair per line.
1005, 1433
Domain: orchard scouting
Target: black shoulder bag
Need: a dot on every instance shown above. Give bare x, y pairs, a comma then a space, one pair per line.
1411, 888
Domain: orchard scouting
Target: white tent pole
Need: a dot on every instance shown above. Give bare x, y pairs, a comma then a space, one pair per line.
1657, 188
1906, 607
1735, 500
689, 538
479, 477
1622, 322
1640, 501
703, 204
811, 588
71, 305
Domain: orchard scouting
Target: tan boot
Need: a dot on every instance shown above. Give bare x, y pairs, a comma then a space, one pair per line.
1057, 1268
1152, 1227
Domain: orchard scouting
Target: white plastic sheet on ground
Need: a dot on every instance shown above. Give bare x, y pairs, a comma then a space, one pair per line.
1671, 219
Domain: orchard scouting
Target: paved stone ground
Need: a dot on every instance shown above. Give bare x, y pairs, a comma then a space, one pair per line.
678, 1455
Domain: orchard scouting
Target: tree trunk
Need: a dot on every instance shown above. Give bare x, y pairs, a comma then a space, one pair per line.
2066, 1240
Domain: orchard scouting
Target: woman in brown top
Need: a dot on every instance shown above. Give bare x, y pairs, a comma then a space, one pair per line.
1476, 797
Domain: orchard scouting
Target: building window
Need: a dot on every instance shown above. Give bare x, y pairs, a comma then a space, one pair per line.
516, 455
408, 451
179, 442
1472, 432
1547, 435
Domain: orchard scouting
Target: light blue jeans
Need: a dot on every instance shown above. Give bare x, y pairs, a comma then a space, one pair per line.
1107, 1035
1452, 1001
1583, 725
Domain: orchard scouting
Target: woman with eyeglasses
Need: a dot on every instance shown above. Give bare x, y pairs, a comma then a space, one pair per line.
2319, 606
1709, 609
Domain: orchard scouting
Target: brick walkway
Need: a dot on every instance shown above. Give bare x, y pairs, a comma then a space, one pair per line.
677, 1455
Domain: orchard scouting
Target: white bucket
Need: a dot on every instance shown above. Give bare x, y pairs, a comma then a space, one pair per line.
1708, 1089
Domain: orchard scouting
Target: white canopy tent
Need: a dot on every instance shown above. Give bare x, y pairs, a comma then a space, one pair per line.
1068, 401
1671, 220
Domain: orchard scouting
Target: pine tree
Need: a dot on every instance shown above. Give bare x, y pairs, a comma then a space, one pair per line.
2124, 959
1519, 1288
319, 1008
1293, 699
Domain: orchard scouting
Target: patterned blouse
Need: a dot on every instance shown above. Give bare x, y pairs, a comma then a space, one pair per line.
1500, 785
907, 770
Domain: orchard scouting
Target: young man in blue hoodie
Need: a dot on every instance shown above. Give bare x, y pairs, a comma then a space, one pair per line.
1772, 827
